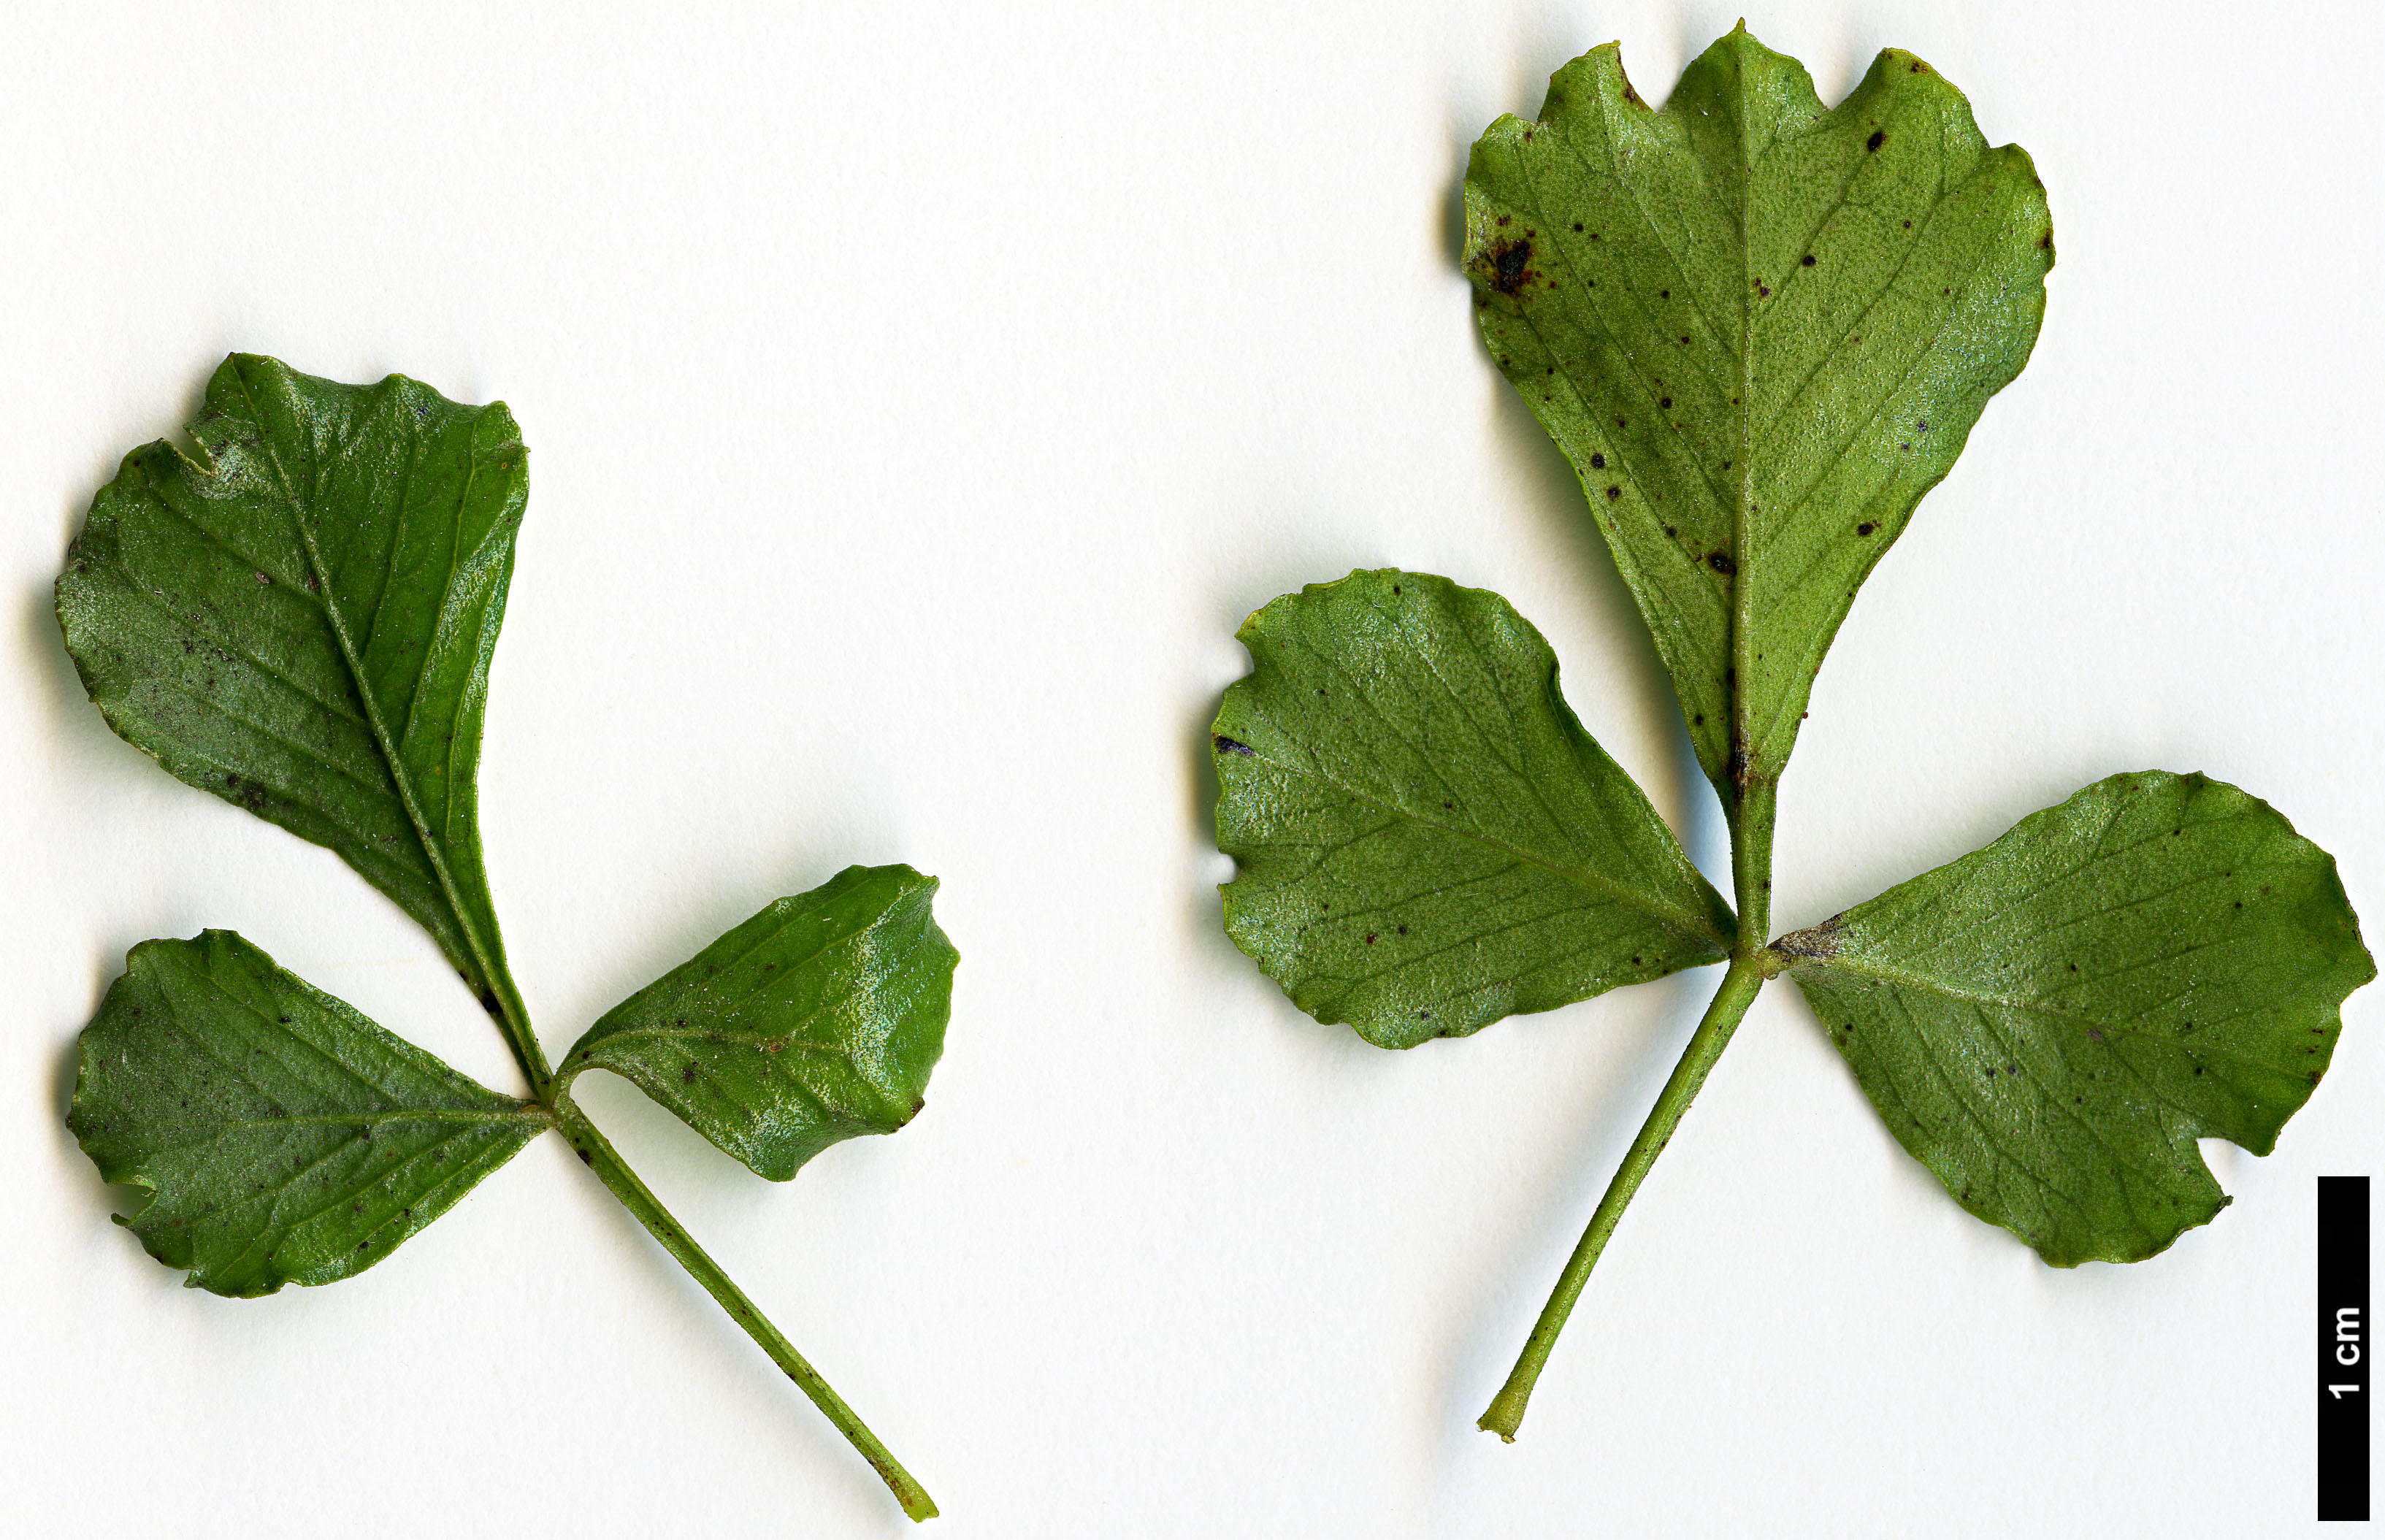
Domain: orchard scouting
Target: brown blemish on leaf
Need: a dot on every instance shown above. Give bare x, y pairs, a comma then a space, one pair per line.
1879, 137
1818, 944
1511, 264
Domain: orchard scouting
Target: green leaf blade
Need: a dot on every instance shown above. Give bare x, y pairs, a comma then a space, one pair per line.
304, 625
1760, 331
2049, 1022
283, 1137
1427, 840
819, 1020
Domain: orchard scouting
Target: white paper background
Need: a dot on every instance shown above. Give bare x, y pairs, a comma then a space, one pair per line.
918, 400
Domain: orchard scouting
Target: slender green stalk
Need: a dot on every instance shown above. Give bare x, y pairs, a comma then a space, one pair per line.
1750, 859
615, 1173
1730, 1002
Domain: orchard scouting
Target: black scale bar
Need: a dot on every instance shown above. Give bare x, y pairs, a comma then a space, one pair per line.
2343, 1348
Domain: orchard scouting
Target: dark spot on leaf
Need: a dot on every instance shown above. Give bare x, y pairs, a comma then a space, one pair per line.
2094, 1033
1371, 938
1613, 493
1809, 259
1721, 563
1878, 138
1664, 294
1666, 404
586, 1158
1671, 531
1699, 720
1510, 265
1635, 962
1403, 929
1762, 293
1598, 462
687, 1076
488, 1002
1503, 221
1577, 227
1865, 529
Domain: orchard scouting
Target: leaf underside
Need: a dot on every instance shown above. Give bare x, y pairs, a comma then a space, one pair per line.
1760, 331
1428, 841
285, 1138
303, 625
817, 1020
2049, 1022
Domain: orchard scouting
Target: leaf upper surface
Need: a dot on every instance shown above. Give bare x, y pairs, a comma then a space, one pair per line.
1760, 331
304, 626
2049, 1022
1428, 839
817, 1020
286, 1138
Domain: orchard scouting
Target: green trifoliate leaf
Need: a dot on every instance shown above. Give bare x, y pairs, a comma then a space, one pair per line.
286, 1138
1760, 331
1428, 841
2051, 1022
303, 625
817, 1020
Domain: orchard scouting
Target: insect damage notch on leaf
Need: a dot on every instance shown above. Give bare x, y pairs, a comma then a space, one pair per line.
1761, 330
304, 626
